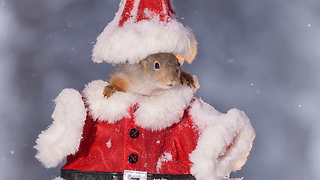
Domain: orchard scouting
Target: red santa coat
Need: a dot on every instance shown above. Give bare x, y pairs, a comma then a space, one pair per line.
124, 145
172, 133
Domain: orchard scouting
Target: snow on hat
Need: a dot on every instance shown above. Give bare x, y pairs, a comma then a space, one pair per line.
141, 28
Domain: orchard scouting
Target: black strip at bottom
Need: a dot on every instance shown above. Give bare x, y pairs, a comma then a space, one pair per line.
90, 175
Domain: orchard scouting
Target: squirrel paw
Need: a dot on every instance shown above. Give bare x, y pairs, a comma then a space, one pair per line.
109, 90
187, 78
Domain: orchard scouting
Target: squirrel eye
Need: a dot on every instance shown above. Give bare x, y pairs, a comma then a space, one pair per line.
156, 65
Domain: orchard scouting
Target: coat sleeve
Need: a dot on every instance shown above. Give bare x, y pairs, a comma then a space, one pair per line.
63, 136
224, 143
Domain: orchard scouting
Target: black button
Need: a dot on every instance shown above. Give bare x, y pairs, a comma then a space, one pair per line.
134, 133
133, 158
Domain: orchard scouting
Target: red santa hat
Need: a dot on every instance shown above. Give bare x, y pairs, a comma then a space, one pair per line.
141, 28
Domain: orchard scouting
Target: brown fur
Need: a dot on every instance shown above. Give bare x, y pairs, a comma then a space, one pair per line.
186, 78
145, 78
116, 84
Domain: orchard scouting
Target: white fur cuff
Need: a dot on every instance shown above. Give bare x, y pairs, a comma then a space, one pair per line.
64, 135
224, 143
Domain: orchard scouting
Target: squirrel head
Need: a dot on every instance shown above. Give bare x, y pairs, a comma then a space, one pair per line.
151, 76
163, 69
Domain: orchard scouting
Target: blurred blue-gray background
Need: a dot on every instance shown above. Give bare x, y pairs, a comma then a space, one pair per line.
262, 57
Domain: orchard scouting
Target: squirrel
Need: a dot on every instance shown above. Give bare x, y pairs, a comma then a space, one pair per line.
152, 75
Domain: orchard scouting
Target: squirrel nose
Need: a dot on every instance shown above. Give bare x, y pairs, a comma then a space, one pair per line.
171, 84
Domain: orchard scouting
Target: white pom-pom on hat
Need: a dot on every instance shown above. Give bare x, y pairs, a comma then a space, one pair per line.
141, 28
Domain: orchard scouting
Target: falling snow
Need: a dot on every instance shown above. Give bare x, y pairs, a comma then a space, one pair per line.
274, 45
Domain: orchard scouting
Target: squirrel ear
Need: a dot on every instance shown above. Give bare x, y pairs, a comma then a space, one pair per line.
144, 63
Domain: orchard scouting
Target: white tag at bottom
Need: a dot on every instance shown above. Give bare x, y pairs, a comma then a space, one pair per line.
134, 175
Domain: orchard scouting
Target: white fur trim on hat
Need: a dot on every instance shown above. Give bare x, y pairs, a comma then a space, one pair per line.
211, 159
134, 41
64, 135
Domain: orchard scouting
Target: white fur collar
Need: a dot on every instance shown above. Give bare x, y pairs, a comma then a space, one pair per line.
154, 112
